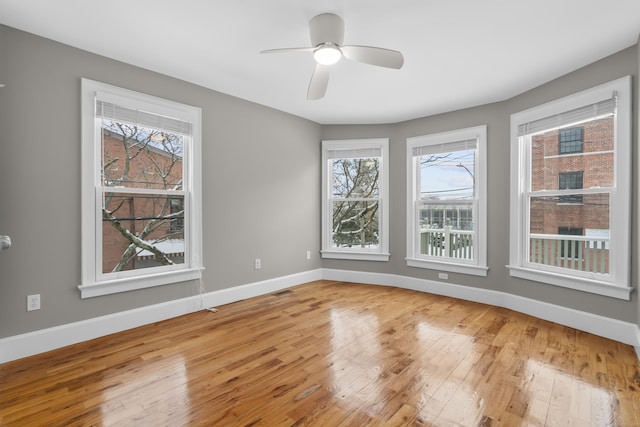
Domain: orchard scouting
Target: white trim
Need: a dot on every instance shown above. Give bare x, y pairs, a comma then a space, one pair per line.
350, 146
359, 256
19, 346
477, 266
619, 277
473, 270
149, 280
93, 281
593, 286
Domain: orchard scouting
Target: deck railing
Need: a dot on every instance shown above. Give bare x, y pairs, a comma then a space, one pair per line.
582, 253
446, 242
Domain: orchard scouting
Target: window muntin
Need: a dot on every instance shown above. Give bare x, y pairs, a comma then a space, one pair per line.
573, 191
354, 207
141, 190
447, 211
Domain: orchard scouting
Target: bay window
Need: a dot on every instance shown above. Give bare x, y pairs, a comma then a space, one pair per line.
354, 204
446, 210
570, 194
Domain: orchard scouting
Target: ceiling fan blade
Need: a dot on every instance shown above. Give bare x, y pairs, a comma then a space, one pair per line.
374, 55
319, 82
326, 27
288, 49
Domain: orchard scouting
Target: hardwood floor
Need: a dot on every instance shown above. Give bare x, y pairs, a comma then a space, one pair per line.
332, 354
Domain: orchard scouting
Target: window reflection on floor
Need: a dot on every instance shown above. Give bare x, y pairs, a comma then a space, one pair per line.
151, 403
356, 358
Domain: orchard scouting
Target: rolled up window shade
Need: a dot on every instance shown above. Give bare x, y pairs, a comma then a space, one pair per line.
118, 113
448, 147
567, 118
355, 153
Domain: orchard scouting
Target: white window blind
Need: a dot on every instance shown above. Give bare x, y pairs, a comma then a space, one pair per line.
588, 112
355, 153
118, 113
448, 147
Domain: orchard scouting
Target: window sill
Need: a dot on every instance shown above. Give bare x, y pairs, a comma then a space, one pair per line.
358, 256
593, 286
133, 283
473, 270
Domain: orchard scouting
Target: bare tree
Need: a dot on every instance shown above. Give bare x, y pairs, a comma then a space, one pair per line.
355, 220
137, 157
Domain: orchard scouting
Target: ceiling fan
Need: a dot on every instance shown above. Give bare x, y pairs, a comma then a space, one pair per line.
327, 36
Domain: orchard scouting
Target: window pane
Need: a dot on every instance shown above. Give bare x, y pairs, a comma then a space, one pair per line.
558, 236
355, 178
570, 181
595, 156
141, 231
447, 175
446, 229
570, 140
355, 224
138, 157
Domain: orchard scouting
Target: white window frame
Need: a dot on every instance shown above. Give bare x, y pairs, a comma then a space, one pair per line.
381, 253
617, 283
478, 265
94, 282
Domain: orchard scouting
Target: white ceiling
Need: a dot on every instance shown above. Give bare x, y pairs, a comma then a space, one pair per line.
458, 53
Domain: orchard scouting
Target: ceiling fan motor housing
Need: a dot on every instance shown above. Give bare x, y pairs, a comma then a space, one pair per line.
326, 27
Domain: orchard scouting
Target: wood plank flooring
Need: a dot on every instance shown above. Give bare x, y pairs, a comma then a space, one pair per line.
332, 354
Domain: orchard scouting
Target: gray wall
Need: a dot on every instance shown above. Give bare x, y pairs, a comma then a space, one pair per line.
260, 179
496, 116
261, 176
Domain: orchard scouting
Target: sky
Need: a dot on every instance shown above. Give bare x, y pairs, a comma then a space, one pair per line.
444, 178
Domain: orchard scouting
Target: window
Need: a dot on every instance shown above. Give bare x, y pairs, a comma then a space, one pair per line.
446, 212
141, 218
570, 181
570, 140
355, 211
570, 215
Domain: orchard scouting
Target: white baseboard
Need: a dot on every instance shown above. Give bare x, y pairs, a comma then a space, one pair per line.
625, 332
238, 293
19, 346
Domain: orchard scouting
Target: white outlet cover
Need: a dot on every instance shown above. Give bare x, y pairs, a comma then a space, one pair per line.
33, 302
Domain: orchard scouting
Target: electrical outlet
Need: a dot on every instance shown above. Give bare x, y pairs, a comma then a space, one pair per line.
444, 276
308, 255
33, 302
257, 264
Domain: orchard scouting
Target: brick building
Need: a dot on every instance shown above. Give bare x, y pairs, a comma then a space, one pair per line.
573, 158
149, 164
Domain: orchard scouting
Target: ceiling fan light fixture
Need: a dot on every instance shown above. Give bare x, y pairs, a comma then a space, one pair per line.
327, 54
